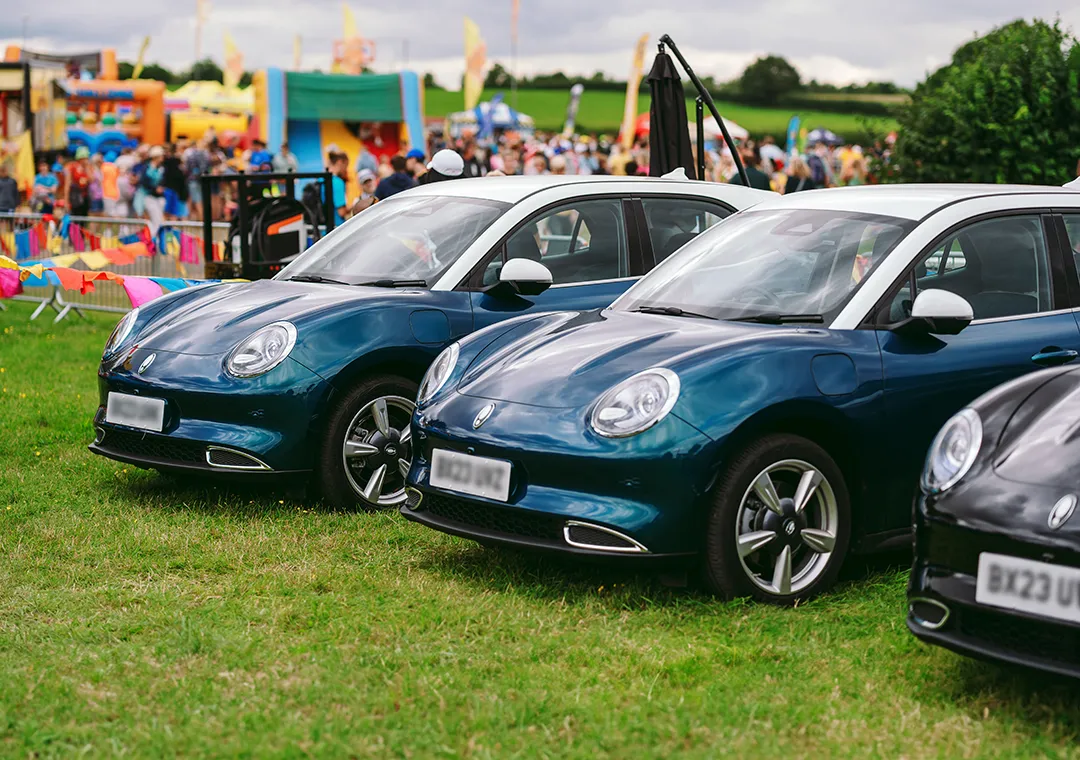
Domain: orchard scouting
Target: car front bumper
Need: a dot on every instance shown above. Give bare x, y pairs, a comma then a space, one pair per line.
571, 491
944, 575
216, 424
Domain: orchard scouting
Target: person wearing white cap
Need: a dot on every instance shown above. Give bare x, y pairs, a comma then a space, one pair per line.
366, 179
444, 165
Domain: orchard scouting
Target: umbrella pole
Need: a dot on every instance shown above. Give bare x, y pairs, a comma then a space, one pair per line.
705, 96
700, 115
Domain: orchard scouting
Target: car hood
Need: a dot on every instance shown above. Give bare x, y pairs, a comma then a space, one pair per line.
211, 320
566, 360
1041, 443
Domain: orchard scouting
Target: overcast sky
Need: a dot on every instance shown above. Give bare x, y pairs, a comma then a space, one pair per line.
831, 40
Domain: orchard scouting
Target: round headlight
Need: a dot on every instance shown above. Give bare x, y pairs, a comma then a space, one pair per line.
121, 332
635, 404
261, 351
438, 373
953, 452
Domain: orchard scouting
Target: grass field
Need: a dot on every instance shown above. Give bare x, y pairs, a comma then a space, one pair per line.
602, 111
151, 617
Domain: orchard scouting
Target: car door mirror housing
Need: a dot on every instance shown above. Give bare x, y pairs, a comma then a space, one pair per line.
522, 277
937, 312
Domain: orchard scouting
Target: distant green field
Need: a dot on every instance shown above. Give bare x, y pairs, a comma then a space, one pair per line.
601, 111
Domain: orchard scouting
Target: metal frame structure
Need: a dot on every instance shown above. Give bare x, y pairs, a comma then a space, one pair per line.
705, 98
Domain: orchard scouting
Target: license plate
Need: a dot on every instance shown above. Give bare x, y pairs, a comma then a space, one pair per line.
476, 476
1039, 588
135, 411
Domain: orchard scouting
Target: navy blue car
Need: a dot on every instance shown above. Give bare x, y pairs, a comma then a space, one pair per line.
315, 372
761, 403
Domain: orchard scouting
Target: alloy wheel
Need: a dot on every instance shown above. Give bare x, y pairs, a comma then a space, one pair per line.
377, 450
786, 527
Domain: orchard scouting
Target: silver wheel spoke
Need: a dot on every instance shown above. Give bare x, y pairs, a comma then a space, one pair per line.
406, 435
403, 466
819, 541
808, 484
358, 450
751, 542
381, 416
765, 491
781, 580
373, 489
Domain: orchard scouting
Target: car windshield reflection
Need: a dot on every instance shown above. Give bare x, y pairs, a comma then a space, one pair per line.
771, 266
405, 239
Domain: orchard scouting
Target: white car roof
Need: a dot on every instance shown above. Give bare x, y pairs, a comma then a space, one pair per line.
905, 201
516, 189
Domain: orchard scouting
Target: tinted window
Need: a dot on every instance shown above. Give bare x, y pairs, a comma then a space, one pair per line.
578, 242
404, 238
771, 262
674, 222
1001, 266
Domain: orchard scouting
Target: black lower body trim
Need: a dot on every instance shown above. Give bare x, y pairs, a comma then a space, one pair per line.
514, 534
191, 467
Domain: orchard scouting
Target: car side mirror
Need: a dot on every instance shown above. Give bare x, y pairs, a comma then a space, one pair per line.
522, 277
938, 312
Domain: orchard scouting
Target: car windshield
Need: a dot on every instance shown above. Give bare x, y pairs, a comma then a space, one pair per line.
770, 265
410, 238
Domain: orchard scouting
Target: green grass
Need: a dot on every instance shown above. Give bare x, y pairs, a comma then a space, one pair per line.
153, 617
602, 111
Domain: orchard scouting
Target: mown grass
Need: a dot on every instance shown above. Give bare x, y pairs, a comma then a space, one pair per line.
602, 111
155, 617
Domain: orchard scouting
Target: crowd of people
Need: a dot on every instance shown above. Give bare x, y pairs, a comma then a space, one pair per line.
163, 182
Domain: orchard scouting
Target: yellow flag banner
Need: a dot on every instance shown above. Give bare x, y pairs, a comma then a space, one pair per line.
24, 162
475, 60
234, 63
632, 86
297, 53
141, 60
349, 30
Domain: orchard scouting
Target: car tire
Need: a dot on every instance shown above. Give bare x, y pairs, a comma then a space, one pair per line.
763, 544
363, 449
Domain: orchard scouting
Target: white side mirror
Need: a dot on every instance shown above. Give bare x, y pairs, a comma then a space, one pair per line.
942, 312
525, 277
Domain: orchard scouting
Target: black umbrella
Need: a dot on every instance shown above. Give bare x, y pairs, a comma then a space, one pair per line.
669, 131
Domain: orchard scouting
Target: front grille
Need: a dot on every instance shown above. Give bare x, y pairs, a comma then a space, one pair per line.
1045, 640
581, 534
150, 446
226, 458
515, 522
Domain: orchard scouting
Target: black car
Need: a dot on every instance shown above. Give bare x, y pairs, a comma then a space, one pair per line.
997, 541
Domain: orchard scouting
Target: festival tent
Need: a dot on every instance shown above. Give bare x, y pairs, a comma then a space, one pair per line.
712, 130
822, 135
212, 96
502, 117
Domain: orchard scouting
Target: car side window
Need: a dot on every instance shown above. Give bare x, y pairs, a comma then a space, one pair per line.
1000, 266
578, 242
674, 222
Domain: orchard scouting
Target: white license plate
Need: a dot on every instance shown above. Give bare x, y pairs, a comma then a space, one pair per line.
1039, 588
135, 411
477, 476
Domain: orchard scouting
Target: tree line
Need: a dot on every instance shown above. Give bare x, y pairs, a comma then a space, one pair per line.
205, 70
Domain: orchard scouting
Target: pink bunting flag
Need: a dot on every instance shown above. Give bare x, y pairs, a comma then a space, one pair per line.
190, 249
10, 283
141, 290
78, 244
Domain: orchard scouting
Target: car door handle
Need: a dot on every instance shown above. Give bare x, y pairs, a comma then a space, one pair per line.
1052, 356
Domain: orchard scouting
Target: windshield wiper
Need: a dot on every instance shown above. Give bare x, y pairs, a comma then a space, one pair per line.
315, 278
669, 311
395, 284
782, 319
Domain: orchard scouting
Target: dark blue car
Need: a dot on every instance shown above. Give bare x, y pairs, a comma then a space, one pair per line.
762, 402
316, 370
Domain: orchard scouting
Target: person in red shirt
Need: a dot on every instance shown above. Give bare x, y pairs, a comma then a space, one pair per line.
77, 184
